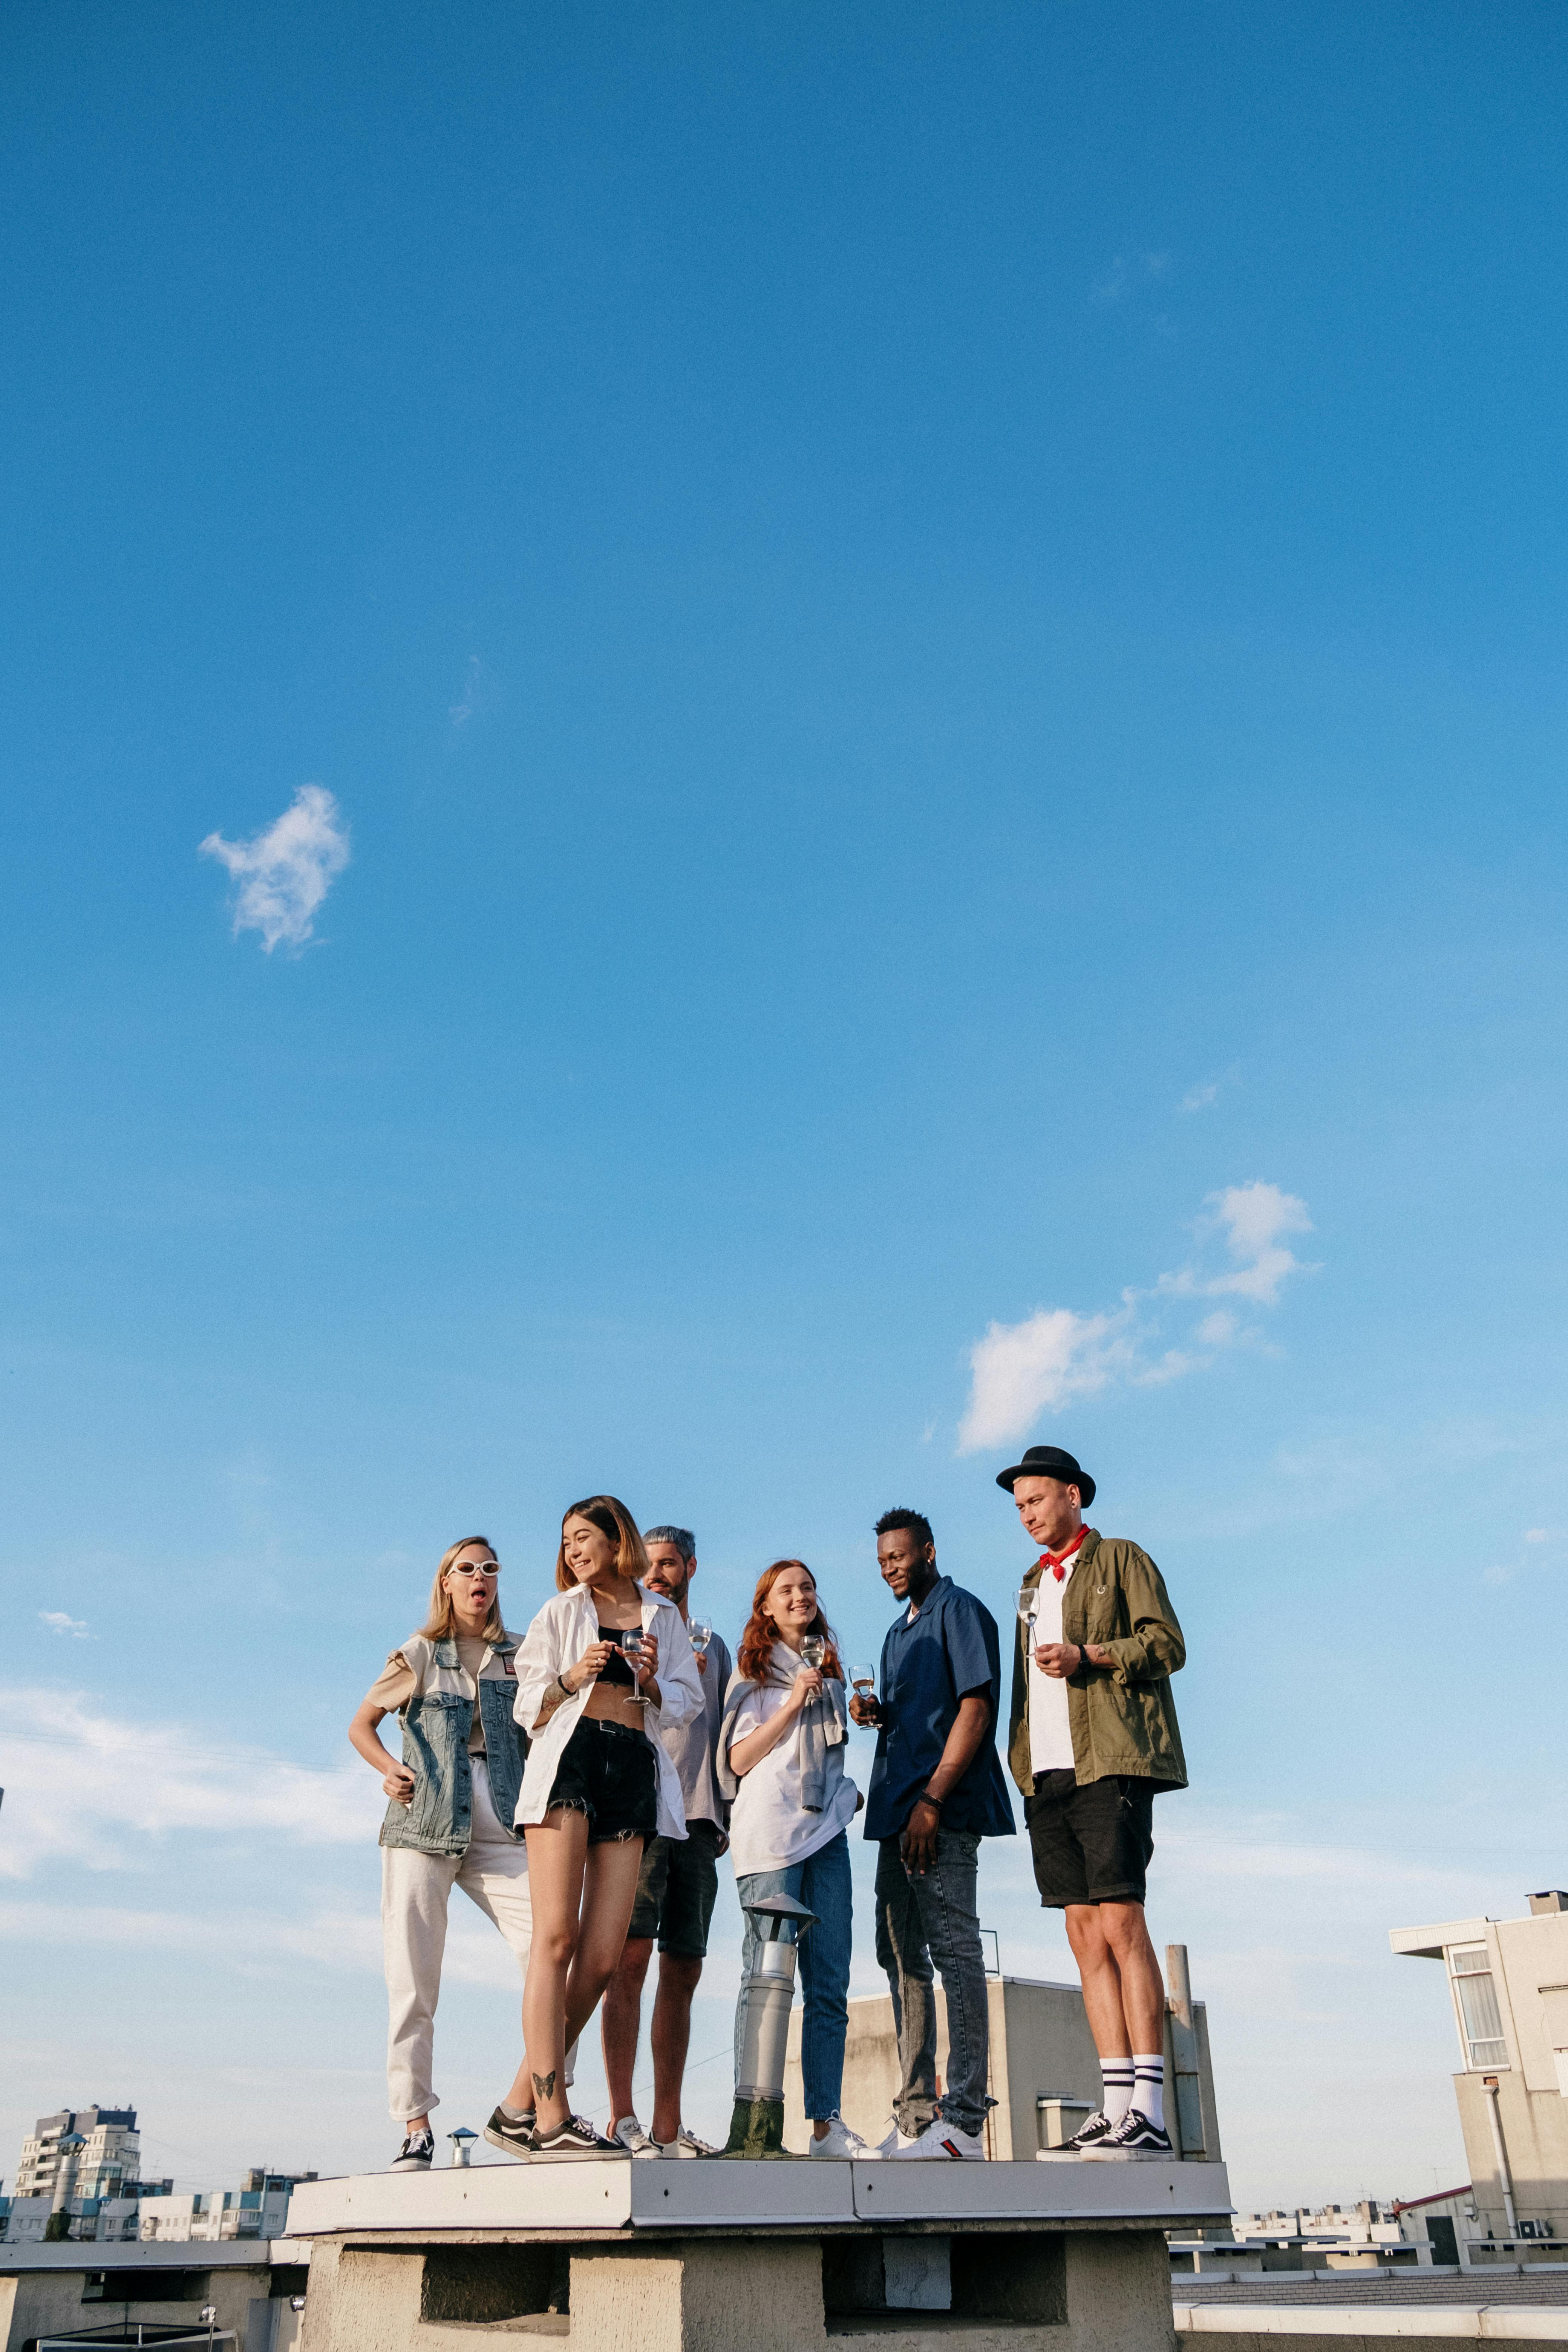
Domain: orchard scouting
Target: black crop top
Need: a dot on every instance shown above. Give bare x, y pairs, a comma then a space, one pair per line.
616, 1669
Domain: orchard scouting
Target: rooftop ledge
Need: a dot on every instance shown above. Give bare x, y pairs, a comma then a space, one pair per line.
616, 2194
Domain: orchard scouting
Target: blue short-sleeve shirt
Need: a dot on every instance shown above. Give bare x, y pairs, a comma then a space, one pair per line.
949, 1649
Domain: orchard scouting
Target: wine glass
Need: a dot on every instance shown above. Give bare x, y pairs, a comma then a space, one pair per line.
633, 1645
813, 1650
864, 1679
701, 1635
1027, 1604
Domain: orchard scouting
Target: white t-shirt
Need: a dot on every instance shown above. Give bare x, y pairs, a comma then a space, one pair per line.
770, 1828
1050, 1732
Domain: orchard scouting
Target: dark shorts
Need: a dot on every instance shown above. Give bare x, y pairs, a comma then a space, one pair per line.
1090, 1843
678, 1890
608, 1773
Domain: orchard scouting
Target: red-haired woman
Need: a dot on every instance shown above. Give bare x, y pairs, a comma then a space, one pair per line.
604, 1666
781, 1749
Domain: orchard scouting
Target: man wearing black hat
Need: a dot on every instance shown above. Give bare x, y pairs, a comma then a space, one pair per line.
1092, 1739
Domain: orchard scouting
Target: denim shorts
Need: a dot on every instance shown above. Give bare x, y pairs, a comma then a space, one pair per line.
610, 1773
1091, 1841
678, 1890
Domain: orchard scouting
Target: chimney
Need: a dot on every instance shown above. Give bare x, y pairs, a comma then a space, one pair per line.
1553, 1899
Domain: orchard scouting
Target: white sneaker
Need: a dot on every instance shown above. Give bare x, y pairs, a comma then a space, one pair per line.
939, 2140
685, 2143
893, 2142
839, 2140
629, 2134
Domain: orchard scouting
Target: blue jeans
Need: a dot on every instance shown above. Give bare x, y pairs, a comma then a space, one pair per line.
822, 1882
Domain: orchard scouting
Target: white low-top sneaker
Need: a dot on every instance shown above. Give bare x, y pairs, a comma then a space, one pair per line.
629, 2134
685, 2143
893, 2142
942, 2140
839, 2140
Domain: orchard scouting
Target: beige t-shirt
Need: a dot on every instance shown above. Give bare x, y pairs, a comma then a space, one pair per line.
394, 1687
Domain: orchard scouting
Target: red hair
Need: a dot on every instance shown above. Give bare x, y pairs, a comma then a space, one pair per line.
755, 1660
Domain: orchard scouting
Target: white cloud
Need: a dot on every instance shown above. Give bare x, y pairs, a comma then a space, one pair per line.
1200, 1097
343, 1940
77, 1779
1020, 1370
286, 872
1538, 1535
58, 1623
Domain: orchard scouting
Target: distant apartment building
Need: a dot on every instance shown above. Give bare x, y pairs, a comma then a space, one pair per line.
257, 2210
1508, 1986
87, 2151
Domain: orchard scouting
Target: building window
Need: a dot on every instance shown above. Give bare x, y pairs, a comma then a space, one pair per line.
1481, 2019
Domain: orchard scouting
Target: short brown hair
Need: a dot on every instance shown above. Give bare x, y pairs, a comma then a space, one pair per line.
612, 1518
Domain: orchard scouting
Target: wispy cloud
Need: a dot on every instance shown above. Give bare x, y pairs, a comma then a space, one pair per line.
343, 1940
58, 1623
1130, 273
1200, 1097
1021, 1370
286, 872
77, 1779
481, 693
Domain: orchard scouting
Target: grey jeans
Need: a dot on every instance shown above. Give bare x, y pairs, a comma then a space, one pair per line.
923, 1921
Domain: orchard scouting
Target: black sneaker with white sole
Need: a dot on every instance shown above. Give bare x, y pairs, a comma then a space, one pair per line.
1135, 2140
574, 2137
514, 2134
416, 2154
1093, 2134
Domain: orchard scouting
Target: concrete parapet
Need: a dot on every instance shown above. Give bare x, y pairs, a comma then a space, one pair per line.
625, 2257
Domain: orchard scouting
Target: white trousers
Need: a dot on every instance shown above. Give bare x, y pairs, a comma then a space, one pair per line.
414, 1891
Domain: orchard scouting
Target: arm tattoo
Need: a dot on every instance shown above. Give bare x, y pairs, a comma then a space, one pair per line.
544, 2084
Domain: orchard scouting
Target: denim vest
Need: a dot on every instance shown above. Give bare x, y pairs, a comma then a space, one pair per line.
436, 1723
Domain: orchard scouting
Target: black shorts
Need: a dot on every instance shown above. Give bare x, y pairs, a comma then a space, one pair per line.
678, 1890
1090, 1843
610, 1774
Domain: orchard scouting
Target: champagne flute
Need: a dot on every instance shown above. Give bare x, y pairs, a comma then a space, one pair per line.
1026, 1602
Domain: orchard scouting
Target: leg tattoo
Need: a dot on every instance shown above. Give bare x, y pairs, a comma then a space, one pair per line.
544, 2084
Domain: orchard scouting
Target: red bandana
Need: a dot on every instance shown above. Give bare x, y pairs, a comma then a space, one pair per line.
1056, 1561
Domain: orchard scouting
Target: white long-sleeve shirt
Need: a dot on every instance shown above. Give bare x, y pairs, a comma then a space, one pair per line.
564, 1629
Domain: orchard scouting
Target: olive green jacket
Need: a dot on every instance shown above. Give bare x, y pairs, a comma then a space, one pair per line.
1122, 1716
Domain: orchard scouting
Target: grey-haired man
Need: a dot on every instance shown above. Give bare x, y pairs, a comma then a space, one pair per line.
676, 1890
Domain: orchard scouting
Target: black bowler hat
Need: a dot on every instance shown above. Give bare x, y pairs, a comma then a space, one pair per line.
1050, 1462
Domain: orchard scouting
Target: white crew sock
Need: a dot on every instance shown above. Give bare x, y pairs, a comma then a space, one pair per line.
1149, 2088
1116, 2073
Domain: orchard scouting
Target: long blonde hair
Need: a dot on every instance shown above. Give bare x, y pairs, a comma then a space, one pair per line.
441, 1623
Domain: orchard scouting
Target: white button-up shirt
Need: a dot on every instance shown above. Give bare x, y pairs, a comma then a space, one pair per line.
564, 1629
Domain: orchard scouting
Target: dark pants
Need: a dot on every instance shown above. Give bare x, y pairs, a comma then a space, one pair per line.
921, 1921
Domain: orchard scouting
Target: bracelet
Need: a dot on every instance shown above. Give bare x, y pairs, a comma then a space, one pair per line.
925, 1798
566, 1689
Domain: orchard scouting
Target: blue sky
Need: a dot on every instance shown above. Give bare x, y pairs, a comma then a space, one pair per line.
935, 642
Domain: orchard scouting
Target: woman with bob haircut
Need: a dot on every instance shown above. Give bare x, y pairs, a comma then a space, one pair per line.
603, 1666
449, 1822
780, 1758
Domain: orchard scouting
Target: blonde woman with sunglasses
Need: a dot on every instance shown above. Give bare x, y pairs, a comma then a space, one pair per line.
454, 1683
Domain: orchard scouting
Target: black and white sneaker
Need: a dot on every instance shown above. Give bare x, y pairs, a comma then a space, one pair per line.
416, 2154
574, 2138
1092, 2135
514, 2134
1135, 2140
